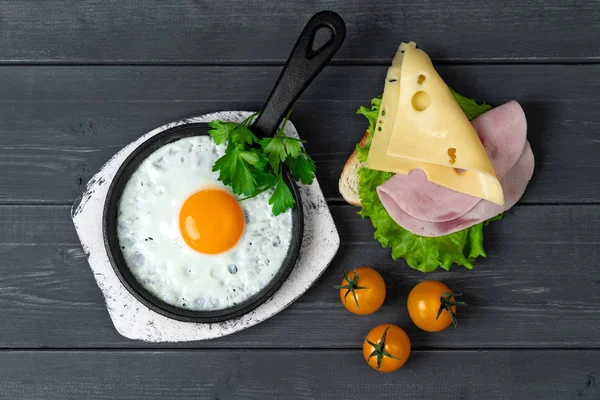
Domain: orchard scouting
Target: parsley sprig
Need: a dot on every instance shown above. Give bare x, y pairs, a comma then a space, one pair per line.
251, 166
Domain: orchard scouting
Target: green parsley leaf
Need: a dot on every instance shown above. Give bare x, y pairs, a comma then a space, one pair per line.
250, 157
226, 166
251, 166
235, 171
262, 160
242, 135
221, 130
282, 197
243, 179
274, 147
302, 168
292, 147
265, 180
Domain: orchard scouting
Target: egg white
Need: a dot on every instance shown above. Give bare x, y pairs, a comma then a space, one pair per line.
155, 251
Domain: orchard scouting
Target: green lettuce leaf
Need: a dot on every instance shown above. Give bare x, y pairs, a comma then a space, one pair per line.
425, 254
469, 106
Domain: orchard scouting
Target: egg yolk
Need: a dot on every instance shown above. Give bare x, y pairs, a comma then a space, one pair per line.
211, 221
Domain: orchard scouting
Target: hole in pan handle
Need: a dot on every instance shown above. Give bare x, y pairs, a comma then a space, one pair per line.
302, 66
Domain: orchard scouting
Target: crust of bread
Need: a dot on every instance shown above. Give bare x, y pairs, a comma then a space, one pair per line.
348, 184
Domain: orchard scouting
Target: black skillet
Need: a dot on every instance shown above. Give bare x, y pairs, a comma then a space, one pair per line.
302, 66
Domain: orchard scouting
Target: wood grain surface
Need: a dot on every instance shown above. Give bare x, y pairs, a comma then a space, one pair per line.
252, 31
299, 374
80, 79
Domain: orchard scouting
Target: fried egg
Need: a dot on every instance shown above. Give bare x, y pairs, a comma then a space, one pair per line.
188, 239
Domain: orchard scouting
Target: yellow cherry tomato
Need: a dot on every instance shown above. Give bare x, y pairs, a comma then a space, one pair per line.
431, 306
386, 348
362, 291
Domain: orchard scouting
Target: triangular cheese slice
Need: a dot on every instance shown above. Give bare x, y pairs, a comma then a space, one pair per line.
421, 126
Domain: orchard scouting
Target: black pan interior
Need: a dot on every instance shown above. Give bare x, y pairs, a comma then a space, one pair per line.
115, 255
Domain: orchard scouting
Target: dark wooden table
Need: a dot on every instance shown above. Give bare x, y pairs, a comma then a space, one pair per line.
81, 79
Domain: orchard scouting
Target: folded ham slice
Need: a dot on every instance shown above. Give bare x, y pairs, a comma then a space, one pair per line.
443, 211
513, 185
502, 131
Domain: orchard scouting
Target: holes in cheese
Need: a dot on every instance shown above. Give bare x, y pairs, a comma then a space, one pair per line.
423, 122
420, 101
452, 155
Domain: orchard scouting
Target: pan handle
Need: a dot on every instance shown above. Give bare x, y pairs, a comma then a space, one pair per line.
302, 66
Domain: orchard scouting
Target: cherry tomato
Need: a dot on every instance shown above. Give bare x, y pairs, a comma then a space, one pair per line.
432, 307
386, 348
362, 291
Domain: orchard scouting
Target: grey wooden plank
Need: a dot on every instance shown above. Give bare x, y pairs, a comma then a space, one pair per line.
60, 124
538, 288
300, 374
97, 31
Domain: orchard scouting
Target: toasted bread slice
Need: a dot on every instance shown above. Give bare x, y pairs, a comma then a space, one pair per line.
348, 184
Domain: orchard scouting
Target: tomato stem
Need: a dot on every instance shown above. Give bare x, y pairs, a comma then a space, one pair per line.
350, 286
447, 301
379, 349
